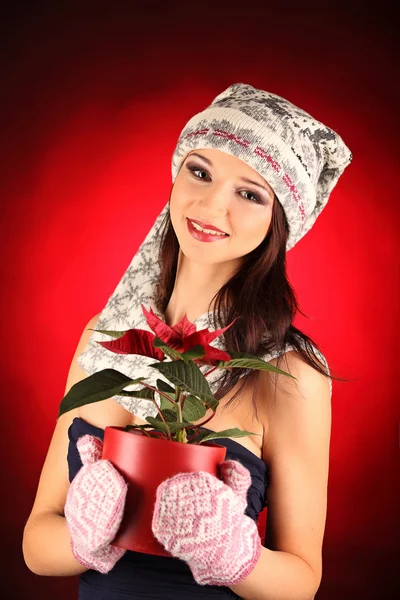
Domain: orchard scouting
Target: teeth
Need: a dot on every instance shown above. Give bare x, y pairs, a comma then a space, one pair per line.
212, 232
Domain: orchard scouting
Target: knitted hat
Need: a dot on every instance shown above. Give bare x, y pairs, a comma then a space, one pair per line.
300, 158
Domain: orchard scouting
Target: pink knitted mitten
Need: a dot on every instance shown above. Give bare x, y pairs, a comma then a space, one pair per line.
200, 519
94, 508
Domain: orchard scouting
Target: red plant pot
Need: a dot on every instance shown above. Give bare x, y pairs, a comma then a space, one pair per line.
145, 462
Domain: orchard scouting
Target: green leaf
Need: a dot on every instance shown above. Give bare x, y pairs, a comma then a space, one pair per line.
188, 377
171, 352
201, 433
174, 427
169, 415
166, 404
195, 352
193, 409
99, 386
163, 386
227, 433
145, 426
248, 361
159, 425
114, 334
145, 393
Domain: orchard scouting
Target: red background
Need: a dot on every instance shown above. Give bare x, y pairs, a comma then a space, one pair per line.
93, 100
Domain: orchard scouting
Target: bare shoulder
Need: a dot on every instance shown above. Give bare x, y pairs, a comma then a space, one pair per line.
288, 401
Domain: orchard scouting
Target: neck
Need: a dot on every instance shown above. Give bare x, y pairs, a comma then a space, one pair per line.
195, 286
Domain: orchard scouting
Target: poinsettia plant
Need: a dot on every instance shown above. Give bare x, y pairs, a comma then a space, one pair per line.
179, 350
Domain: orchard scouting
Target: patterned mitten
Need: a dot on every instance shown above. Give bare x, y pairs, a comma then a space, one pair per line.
94, 508
200, 519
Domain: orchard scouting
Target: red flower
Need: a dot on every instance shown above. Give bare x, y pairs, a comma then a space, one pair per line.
182, 337
135, 341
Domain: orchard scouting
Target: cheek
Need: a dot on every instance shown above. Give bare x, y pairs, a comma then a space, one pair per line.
179, 209
179, 198
252, 224
174, 204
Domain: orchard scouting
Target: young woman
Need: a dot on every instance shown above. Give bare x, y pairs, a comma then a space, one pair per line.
251, 174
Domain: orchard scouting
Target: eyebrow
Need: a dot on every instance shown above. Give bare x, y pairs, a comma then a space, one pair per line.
208, 161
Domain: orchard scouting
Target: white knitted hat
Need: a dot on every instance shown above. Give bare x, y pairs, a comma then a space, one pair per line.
301, 158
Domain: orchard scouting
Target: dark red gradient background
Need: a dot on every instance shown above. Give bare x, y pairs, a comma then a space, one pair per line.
93, 101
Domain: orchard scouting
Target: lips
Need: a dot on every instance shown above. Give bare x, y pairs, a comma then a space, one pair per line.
201, 236
207, 226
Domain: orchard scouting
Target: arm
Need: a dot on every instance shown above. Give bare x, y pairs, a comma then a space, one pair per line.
296, 448
46, 538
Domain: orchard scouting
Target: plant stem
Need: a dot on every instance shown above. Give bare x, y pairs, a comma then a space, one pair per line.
210, 371
183, 401
162, 433
178, 402
145, 432
159, 410
206, 421
181, 433
158, 392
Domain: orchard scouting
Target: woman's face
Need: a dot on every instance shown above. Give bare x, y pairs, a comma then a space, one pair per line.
209, 188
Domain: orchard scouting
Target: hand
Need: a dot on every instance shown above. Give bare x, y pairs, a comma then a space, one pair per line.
200, 519
94, 508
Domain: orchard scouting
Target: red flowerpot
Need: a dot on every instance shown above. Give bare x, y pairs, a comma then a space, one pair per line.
145, 462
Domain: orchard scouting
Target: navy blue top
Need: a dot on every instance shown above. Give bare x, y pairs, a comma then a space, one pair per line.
137, 575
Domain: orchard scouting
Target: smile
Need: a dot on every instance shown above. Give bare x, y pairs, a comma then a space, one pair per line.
196, 232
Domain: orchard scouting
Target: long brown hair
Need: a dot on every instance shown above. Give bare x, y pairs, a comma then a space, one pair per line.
259, 293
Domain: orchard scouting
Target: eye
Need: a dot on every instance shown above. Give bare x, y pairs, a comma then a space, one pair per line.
195, 169
257, 198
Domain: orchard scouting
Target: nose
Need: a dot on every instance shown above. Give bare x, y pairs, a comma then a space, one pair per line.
214, 203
